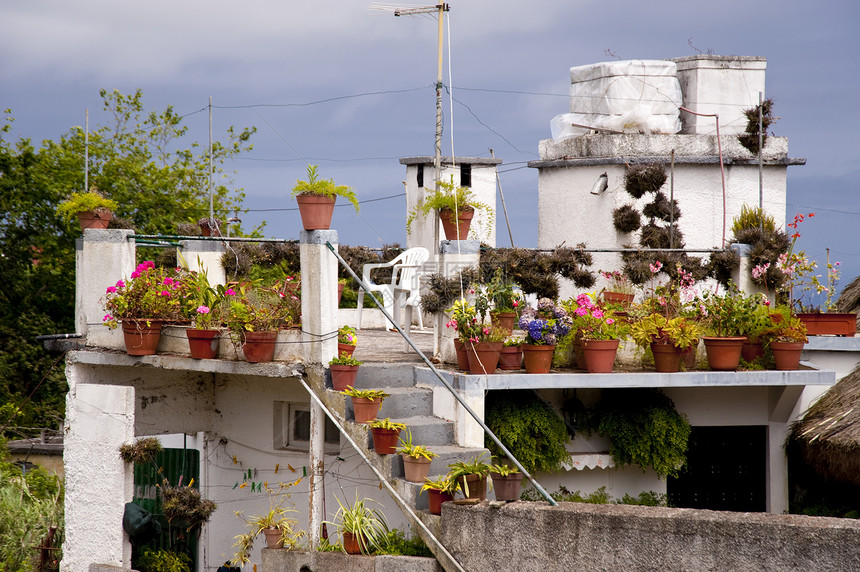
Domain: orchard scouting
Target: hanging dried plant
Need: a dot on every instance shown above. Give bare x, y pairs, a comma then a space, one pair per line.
141, 451
626, 219
749, 139
660, 208
641, 179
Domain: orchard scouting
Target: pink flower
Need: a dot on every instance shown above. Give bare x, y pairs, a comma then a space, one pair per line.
202, 310
597, 313
107, 317
767, 302
135, 274
168, 281
164, 293
517, 303
111, 289
610, 321
120, 284
581, 311
655, 268
230, 292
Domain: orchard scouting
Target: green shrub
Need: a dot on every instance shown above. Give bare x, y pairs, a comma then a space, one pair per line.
152, 560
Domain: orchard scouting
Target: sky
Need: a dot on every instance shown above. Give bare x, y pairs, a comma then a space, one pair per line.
350, 88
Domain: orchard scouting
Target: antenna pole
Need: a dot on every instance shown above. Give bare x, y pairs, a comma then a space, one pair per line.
87, 152
211, 197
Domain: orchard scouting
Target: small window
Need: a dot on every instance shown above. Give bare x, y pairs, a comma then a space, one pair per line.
420, 176
292, 427
466, 175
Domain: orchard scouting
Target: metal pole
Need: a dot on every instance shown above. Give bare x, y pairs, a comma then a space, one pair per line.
760, 165
87, 152
672, 202
504, 207
211, 198
469, 410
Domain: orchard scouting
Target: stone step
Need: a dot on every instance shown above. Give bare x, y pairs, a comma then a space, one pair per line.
427, 430
402, 402
378, 375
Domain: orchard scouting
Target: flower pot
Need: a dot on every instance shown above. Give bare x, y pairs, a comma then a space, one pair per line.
475, 485
141, 337
462, 357
259, 346
456, 229
345, 349
483, 357
365, 410
315, 211
599, 355
579, 354
415, 470
786, 355
724, 354
435, 498
508, 487
202, 343
343, 376
340, 287
511, 358
95, 219
537, 358
351, 545
667, 357
385, 440
274, 538
752, 350
829, 324
688, 357
623, 300
504, 320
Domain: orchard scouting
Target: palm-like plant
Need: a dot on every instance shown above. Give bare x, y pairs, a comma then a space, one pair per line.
367, 525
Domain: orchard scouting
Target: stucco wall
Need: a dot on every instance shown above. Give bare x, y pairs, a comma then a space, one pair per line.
534, 537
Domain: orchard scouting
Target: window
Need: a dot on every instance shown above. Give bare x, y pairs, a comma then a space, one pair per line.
466, 175
292, 427
420, 176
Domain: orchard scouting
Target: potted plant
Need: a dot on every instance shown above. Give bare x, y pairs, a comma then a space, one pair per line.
347, 339
316, 198
507, 482
203, 307
439, 490
385, 435
484, 344
91, 209
464, 318
620, 290
361, 528
755, 322
416, 459
456, 207
344, 370
723, 315
667, 338
209, 226
254, 316
511, 357
785, 338
504, 301
543, 326
365, 403
279, 529
142, 303
600, 333
471, 476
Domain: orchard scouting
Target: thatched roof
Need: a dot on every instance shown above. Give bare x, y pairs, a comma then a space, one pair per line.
829, 433
849, 299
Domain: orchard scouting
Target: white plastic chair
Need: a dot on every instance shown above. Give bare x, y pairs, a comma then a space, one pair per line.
405, 281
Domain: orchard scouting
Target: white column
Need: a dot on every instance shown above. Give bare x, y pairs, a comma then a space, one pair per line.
204, 256
99, 418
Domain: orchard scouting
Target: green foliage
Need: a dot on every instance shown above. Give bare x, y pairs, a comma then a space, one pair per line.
324, 188
529, 428
372, 394
82, 202
395, 543
600, 496
407, 447
679, 331
447, 196
752, 217
152, 560
368, 525
644, 428
445, 484
344, 360
387, 423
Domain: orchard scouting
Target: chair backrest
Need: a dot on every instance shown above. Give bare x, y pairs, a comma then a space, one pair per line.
407, 268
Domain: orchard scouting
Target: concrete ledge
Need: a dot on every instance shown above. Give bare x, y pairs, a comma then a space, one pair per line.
832, 344
108, 567
574, 536
301, 561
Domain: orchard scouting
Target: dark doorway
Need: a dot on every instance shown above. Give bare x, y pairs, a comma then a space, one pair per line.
726, 470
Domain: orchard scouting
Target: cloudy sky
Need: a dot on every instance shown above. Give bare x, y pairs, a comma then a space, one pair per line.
351, 88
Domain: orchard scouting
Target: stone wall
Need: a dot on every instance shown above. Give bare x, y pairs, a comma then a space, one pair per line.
534, 537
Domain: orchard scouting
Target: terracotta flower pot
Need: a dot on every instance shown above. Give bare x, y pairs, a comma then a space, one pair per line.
345, 349
203, 344
385, 440
259, 347
462, 358
504, 320
579, 354
475, 485
274, 538
786, 355
435, 498
351, 544
667, 357
724, 354
415, 470
141, 337
343, 376
456, 229
599, 355
365, 410
624, 300
688, 357
537, 359
511, 358
509, 487
316, 211
483, 357
835, 324
340, 287
95, 219
752, 350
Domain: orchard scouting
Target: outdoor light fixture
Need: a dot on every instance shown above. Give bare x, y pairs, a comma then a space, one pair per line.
600, 185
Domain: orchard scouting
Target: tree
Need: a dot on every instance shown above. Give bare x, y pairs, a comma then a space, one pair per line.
139, 160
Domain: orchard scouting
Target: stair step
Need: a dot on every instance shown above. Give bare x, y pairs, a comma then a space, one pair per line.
427, 430
402, 402
373, 375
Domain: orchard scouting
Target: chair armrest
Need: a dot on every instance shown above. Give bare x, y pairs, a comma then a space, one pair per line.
367, 268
